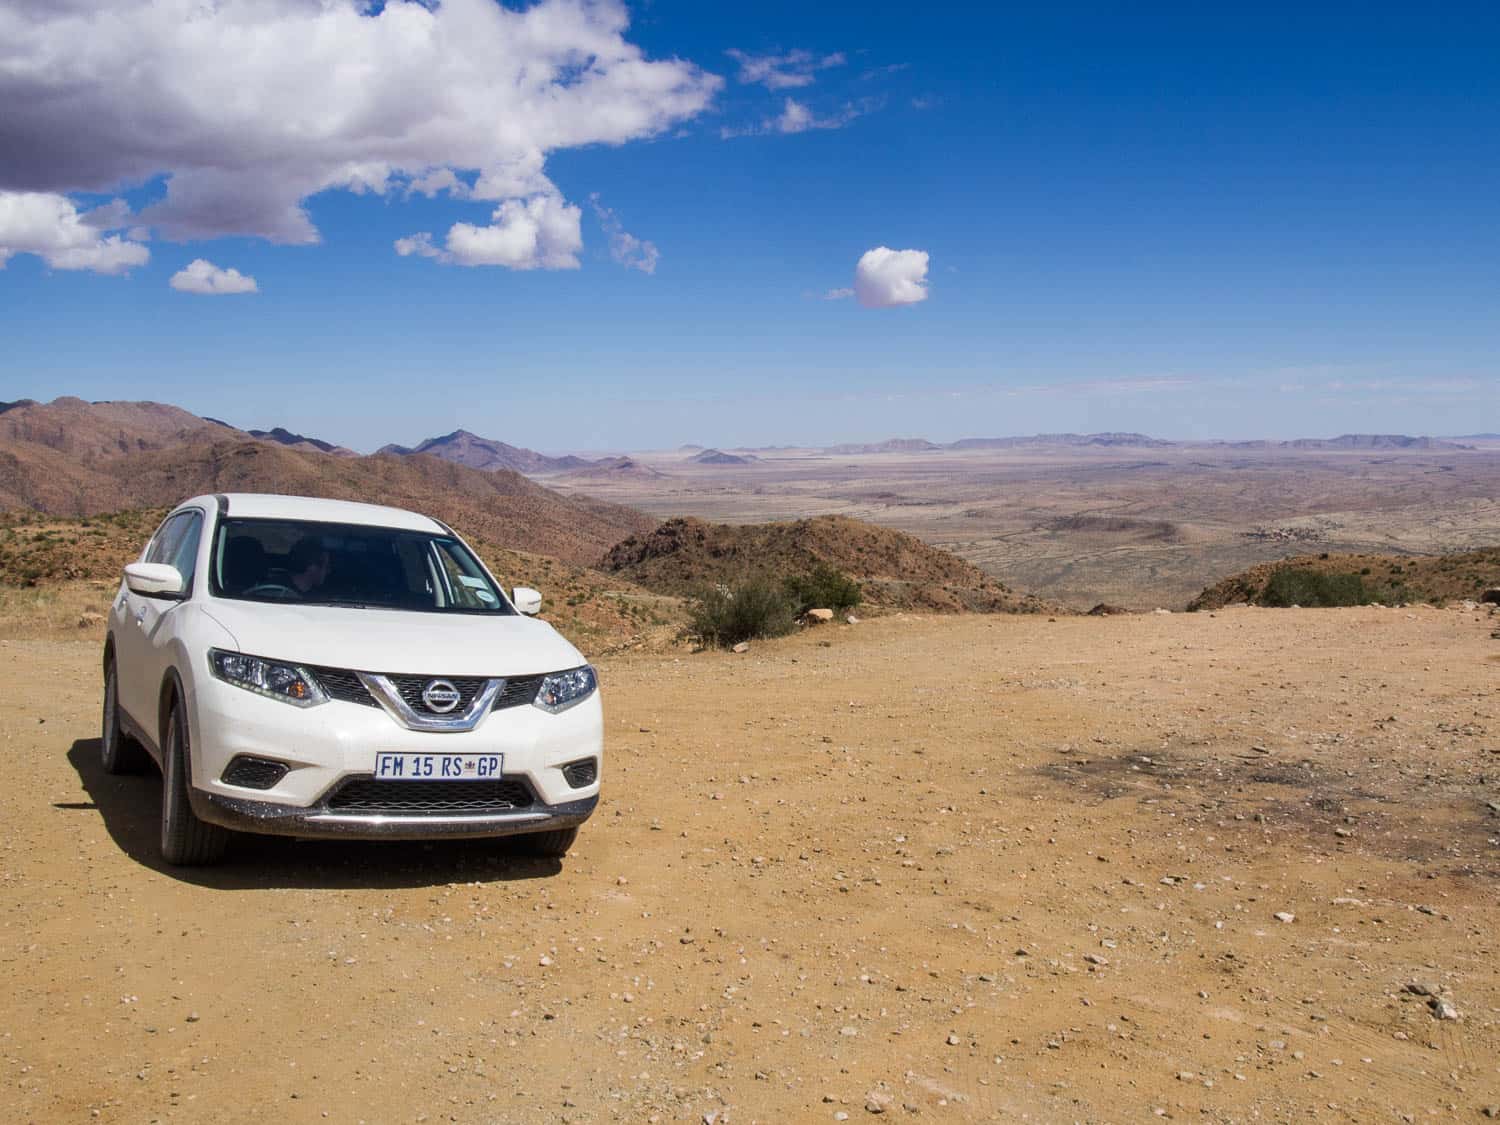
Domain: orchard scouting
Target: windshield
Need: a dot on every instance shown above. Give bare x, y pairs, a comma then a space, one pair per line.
308, 563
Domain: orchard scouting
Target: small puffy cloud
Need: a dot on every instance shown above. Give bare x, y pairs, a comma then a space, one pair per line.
625, 248
51, 226
783, 72
419, 244
539, 233
885, 277
202, 276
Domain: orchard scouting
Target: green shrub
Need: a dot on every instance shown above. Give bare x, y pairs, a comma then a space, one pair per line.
824, 588
1300, 586
726, 615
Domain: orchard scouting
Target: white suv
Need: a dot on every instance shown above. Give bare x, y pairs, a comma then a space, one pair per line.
322, 668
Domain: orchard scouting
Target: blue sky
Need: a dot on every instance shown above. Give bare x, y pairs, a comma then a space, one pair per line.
1192, 220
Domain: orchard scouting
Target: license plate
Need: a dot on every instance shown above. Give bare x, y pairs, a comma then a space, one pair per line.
437, 767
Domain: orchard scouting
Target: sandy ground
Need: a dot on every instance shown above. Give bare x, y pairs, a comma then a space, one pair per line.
983, 869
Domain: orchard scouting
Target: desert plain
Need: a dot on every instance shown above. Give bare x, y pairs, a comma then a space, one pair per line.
1228, 867
1141, 526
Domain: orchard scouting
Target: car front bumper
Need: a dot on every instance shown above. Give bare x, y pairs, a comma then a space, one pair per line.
320, 822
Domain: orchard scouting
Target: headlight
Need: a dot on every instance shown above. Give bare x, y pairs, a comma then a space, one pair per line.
271, 678
562, 690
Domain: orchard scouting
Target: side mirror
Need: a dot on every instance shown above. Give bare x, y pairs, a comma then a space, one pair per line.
528, 601
153, 580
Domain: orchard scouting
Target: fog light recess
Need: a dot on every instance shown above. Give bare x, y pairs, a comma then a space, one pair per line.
253, 773
582, 773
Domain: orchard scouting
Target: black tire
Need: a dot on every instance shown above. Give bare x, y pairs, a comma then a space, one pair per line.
186, 841
545, 845
118, 752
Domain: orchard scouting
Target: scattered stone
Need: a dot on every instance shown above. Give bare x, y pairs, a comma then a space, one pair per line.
1285, 916
1259, 749
743, 646
90, 620
954, 1040
818, 616
192, 1017
850, 619
1422, 988
878, 1101
1442, 1009
1094, 959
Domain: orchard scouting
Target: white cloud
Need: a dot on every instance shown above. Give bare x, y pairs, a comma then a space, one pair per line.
537, 233
838, 294
202, 276
885, 277
419, 244
51, 226
798, 117
248, 107
625, 248
783, 72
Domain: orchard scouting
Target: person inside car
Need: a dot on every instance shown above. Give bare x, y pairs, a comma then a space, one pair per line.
310, 564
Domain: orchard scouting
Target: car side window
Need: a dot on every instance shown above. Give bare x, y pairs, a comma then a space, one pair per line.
184, 556
176, 545
164, 543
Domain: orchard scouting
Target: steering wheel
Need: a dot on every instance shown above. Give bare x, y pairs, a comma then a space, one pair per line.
275, 590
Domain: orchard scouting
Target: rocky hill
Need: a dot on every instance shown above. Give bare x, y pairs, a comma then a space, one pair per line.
716, 457
72, 458
897, 571
464, 448
1383, 579
892, 445
614, 468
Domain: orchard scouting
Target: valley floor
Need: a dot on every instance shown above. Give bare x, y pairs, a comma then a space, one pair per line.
981, 868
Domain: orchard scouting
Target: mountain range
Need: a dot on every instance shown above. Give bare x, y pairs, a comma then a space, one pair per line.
71, 457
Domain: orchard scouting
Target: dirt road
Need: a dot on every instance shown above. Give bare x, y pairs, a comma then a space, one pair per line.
973, 869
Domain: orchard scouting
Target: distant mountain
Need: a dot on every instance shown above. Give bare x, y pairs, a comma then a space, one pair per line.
614, 468
464, 448
299, 441
74, 458
1106, 440
689, 448
1352, 441
714, 457
1371, 441
894, 445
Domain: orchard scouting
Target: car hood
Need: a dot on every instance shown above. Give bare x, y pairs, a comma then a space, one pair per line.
384, 640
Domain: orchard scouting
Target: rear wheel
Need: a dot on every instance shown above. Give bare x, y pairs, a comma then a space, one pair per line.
186, 841
546, 845
118, 752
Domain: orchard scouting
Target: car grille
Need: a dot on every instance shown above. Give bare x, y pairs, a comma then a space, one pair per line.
430, 798
518, 691
411, 688
341, 683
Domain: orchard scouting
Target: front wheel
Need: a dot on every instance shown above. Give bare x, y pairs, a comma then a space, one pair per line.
545, 845
186, 841
118, 752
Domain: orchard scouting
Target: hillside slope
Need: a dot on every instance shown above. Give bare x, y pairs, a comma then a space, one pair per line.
1387, 579
72, 458
897, 570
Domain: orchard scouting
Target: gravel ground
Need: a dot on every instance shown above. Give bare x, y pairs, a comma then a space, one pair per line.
1225, 867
